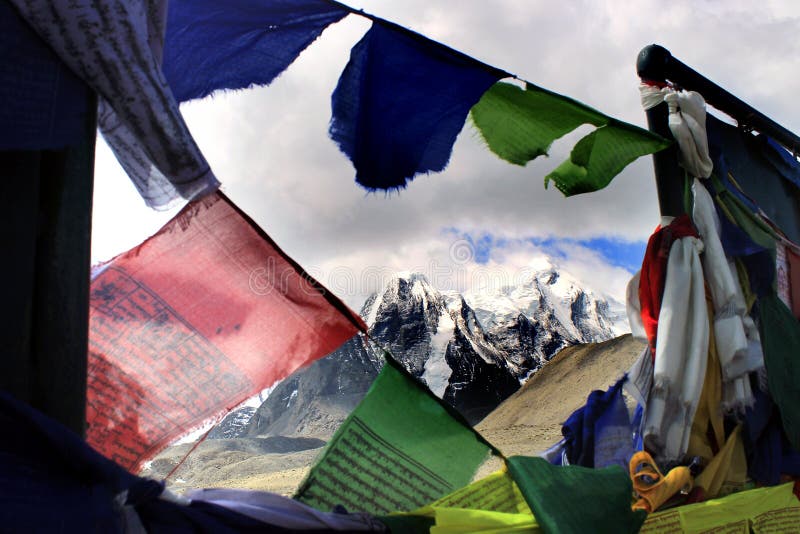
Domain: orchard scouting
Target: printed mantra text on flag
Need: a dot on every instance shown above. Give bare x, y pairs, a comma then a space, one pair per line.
192, 322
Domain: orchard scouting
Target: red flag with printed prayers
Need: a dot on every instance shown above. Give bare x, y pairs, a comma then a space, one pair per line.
192, 322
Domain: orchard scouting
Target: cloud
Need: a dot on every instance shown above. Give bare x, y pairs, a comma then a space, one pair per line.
269, 146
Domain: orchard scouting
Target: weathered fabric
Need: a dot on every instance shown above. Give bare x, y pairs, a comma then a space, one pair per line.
780, 159
769, 454
400, 449
780, 335
117, 50
497, 492
653, 275
576, 499
727, 470
192, 322
599, 433
681, 354
651, 487
774, 509
520, 125
761, 185
236, 44
492, 504
640, 378
708, 430
400, 104
687, 122
737, 341
47, 116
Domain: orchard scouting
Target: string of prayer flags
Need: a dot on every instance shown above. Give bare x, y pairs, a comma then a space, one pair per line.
236, 44
401, 448
401, 102
519, 125
192, 322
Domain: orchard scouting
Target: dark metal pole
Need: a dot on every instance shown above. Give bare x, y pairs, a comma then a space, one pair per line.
656, 64
669, 175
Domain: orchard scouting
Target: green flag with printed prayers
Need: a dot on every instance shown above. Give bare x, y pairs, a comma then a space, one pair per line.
400, 449
519, 125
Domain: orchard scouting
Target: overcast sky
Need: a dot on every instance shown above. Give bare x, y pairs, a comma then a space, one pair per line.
482, 218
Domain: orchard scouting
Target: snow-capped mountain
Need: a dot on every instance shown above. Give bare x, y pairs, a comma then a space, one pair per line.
532, 321
439, 340
472, 350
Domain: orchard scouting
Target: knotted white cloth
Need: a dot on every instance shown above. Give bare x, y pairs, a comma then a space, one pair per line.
681, 357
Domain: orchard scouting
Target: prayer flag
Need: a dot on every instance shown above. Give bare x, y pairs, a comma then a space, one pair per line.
400, 449
496, 492
780, 335
212, 45
599, 433
600, 156
772, 509
574, 498
520, 125
401, 102
193, 321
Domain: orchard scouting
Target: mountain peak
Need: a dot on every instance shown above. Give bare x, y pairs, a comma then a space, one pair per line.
402, 287
409, 276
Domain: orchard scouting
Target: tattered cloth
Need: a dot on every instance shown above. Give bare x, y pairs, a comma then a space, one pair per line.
401, 102
192, 322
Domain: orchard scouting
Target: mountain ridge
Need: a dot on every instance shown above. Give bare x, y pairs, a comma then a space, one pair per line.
472, 350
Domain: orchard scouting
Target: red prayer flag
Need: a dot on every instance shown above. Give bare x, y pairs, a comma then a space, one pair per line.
192, 322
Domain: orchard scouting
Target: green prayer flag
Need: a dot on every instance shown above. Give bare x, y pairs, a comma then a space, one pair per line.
601, 155
519, 125
401, 448
572, 498
780, 337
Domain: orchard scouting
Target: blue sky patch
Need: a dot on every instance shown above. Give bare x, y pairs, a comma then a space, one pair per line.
617, 252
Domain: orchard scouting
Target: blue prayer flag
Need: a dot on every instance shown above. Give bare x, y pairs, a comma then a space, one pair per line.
600, 434
401, 102
235, 44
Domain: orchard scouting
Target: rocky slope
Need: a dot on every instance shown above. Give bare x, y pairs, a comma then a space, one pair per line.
529, 421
